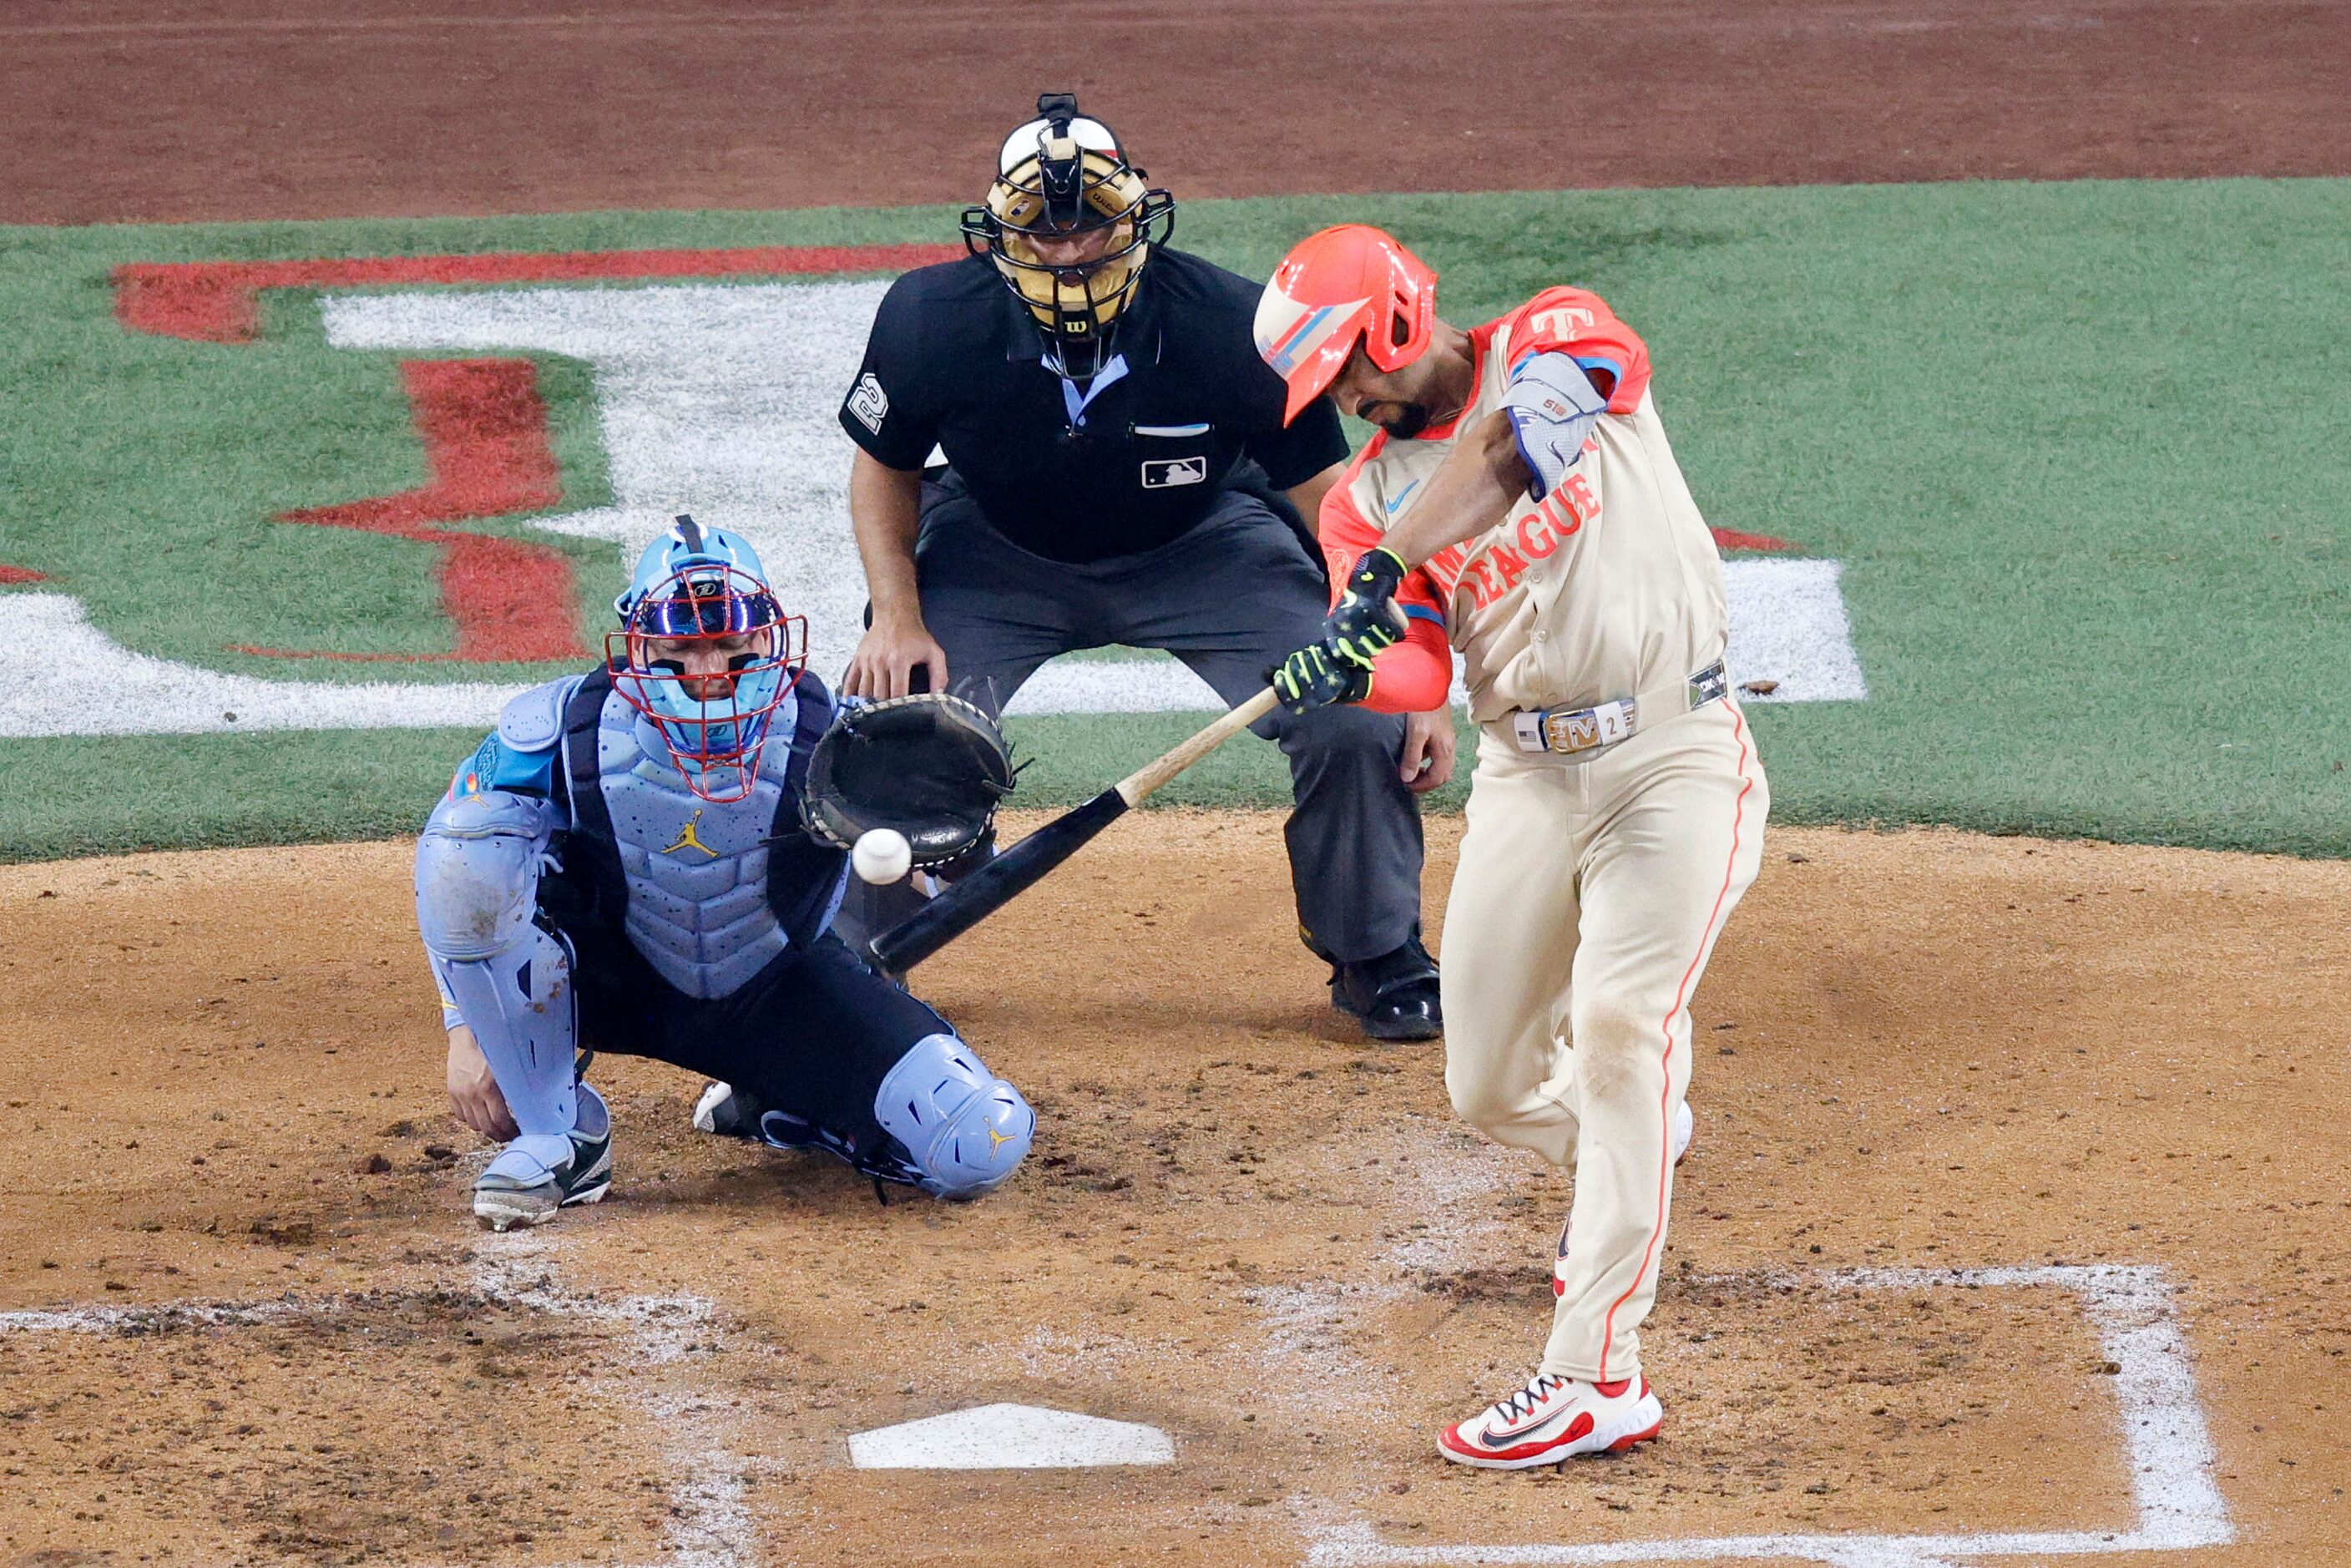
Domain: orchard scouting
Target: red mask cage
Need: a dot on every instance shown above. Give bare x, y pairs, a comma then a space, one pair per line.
707, 655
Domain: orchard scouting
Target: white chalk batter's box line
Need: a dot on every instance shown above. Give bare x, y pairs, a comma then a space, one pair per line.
2176, 1496
707, 1524
2174, 1492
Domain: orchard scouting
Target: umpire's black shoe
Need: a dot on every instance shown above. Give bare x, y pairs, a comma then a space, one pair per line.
1394, 994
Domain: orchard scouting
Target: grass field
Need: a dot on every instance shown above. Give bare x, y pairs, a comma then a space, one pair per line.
2081, 448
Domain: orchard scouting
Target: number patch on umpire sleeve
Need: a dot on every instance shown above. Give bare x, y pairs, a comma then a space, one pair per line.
870, 404
1166, 473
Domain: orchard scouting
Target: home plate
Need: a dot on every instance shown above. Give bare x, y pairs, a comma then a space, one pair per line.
1008, 1437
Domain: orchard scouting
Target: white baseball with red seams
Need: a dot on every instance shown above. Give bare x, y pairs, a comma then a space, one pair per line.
1592, 886
882, 855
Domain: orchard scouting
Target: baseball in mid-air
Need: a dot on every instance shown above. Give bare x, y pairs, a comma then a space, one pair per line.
882, 855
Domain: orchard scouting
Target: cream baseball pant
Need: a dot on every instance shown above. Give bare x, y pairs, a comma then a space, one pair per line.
1589, 896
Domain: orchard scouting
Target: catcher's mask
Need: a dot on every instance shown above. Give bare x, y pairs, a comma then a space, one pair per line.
705, 654
1336, 288
1059, 177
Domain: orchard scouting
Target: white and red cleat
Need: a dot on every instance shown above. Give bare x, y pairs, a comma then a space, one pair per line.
1555, 1419
1684, 1128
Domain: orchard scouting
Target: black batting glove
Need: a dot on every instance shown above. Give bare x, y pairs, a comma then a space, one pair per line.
1367, 619
1316, 676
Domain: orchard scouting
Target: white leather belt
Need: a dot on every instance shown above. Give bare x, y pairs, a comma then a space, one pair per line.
1568, 731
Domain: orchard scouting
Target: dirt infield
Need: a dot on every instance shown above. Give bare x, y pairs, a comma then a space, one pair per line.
244, 1315
119, 110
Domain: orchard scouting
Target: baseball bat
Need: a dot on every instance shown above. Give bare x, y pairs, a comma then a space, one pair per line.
963, 904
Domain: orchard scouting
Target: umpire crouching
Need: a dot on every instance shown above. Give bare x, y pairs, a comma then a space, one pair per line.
1115, 459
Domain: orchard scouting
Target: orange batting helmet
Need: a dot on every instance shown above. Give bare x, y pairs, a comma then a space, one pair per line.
1349, 285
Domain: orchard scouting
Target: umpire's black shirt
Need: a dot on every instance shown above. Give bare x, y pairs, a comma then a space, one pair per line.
956, 360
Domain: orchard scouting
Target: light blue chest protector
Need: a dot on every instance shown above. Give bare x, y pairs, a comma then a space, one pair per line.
698, 908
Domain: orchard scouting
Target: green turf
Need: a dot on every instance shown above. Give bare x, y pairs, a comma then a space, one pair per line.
2080, 448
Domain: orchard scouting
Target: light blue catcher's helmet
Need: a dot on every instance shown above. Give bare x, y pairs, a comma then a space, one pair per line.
697, 586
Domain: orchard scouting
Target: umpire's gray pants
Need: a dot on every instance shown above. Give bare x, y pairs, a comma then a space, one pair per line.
1230, 598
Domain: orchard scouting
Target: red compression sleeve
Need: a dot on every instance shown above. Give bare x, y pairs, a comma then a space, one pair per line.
1416, 674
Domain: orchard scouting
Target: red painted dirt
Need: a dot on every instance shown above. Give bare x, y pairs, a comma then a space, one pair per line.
124, 111
487, 454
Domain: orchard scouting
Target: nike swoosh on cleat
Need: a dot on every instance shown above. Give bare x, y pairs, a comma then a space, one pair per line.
1510, 1437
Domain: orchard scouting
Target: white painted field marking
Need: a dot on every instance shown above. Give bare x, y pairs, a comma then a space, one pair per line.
2177, 1501
1788, 624
721, 402
1009, 1437
157, 1320
709, 1523
44, 633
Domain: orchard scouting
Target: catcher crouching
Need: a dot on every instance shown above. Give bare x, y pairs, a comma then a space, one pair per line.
624, 866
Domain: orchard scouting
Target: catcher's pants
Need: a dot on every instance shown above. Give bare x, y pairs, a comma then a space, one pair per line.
1231, 598
813, 1034
1588, 898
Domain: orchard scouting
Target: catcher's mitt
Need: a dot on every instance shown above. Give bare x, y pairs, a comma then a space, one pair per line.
930, 766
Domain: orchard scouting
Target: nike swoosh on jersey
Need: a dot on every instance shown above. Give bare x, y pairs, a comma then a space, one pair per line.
1390, 506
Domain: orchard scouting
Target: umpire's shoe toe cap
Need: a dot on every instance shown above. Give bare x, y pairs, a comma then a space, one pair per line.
1395, 995
1414, 1015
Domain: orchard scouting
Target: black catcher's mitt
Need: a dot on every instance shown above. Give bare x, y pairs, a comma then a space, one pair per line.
930, 766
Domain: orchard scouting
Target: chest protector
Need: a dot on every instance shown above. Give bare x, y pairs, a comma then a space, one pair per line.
707, 893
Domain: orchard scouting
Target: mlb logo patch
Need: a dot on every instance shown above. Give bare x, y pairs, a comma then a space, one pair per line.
1166, 473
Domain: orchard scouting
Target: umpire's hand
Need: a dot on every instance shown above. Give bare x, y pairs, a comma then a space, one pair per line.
1428, 750
887, 657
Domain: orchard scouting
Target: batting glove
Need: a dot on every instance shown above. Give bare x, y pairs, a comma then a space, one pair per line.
1367, 619
1316, 676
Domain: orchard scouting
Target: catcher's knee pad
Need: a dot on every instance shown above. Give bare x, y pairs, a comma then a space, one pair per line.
477, 873
964, 1129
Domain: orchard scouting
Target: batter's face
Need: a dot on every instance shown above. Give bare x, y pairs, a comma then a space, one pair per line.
1398, 402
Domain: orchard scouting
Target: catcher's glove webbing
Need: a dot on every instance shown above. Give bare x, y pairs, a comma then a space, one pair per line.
930, 766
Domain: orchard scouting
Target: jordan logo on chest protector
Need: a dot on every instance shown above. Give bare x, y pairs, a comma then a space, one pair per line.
687, 839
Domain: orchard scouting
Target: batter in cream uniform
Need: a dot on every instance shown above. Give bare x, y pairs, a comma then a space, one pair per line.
1535, 519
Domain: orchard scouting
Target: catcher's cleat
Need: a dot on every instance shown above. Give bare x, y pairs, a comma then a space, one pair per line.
537, 1175
1395, 995
728, 1112
1684, 1128
732, 1112
1554, 1418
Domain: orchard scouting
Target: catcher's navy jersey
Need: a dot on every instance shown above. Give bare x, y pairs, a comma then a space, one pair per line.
1077, 473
